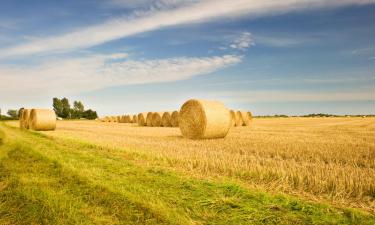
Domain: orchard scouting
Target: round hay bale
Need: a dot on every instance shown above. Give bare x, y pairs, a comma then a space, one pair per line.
166, 119
149, 119
201, 119
142, 119
238, 119
233, 118
246, 118
135, 119
21, 119
26, 118
174, 119
127, 119
42, 119
157, 119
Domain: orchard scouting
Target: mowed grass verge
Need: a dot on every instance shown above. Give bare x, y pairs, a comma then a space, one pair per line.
45, 180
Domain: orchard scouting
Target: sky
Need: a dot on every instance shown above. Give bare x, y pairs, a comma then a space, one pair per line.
129, 56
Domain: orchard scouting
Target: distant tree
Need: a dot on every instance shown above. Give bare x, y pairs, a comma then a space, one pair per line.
65, 108
77, 111
58, 107
90, 114
78, 106
13, 113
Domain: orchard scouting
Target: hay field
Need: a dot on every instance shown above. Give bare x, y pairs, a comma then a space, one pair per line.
324, 159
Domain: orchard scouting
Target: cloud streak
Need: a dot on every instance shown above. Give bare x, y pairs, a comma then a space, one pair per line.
154, 19
101, 71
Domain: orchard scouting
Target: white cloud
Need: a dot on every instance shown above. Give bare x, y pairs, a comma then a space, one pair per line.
281, 41
155, 18
243, 41
100, 71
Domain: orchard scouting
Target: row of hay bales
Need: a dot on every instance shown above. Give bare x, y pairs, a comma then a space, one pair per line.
197, 119
38, 119
120, 119
158, 119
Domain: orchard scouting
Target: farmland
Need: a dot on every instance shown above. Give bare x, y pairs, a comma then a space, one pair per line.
325, 165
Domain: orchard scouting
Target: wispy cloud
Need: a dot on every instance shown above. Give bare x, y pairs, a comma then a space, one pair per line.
153, 19
100, 71
281, 41
242, 42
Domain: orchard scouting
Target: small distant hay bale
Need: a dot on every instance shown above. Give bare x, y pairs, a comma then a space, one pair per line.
142, 119
26, 118
246, 118
202, 119
127, 119
149, 119
174, 119
233, 118
21, 119
166, 119
135, 119
238, 119
42, 120
157, 119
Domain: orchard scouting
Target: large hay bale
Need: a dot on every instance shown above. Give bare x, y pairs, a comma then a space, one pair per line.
246, 118
149, 119
42, 119
238, 119
26, 118
166, 119
157, 119
174, 119
142, 119
202, 119
135, 119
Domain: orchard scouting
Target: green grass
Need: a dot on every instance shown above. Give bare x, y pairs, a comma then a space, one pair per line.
53, 181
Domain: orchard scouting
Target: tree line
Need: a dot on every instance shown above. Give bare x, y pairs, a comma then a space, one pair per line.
63, 109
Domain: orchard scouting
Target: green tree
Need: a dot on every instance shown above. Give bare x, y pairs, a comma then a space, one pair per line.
78, 106
90, 114
58, 107
13, 113
65, 108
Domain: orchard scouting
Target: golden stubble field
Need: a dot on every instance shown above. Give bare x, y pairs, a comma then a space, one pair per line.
329, 159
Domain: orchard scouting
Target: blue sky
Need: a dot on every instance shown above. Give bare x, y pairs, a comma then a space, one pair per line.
127, 56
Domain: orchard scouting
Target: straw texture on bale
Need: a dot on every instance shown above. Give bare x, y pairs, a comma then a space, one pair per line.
166, 119
142, 119
233, 118
42, 119
202, 119
157, 119
135, 119
128, 119
21, 119
149, 119
26, 118
174, 119
238, 119
246, 118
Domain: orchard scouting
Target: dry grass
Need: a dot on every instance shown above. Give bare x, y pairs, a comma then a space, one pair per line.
321, 158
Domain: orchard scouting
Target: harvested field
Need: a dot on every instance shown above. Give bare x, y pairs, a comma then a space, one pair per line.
329, 159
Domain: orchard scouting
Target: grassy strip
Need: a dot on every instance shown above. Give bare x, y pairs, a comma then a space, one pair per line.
49, 181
